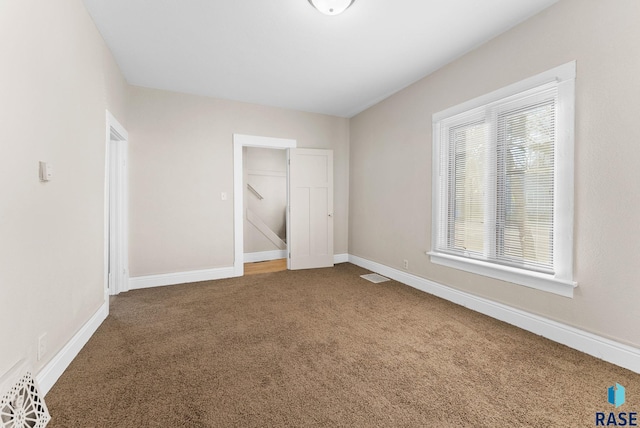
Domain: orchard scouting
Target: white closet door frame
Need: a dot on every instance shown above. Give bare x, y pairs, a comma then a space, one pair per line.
116, 207
240, 141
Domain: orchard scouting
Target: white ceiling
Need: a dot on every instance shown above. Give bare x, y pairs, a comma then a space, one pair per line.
284, 53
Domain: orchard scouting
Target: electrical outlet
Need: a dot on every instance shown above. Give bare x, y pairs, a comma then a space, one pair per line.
42, 346
405, 264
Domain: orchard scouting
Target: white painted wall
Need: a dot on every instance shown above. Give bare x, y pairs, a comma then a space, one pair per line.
56, 80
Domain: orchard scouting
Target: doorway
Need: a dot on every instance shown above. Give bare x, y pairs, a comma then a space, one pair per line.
116, 209
309, 220
239, 143
265, 206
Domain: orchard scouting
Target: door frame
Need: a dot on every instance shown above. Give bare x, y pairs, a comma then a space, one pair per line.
240, 141
117, 133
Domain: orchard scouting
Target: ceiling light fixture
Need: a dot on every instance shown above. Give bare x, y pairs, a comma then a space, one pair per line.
331, 7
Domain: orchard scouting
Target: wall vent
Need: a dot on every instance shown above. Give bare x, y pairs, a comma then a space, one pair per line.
21, 403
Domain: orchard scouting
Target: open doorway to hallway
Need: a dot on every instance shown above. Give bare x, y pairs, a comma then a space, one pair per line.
265, 209
265, 204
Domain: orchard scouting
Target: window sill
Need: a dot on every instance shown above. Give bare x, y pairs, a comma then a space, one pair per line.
539, 281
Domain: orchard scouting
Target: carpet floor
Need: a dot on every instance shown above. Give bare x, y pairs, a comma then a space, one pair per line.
323, 347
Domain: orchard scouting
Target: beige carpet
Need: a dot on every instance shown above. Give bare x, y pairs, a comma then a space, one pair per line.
322, 348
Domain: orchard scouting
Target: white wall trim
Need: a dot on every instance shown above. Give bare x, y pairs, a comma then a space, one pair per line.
560, 73
259, 141
50, 373
120, 251
606, 349
340, 258
559, 278
116, 126
263, 256
180, 277
537, 280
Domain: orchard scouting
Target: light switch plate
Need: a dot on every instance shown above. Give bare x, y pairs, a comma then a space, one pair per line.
46, 171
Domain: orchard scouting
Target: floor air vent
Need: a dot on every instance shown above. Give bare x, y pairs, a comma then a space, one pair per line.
21, 404
375, 278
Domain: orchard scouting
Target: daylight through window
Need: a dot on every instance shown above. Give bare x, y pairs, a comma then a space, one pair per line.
503, 183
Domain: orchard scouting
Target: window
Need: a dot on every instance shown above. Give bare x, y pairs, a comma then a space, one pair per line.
503, 183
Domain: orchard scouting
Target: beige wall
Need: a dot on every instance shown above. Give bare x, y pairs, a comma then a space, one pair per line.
390, 169
55, 75
181, 159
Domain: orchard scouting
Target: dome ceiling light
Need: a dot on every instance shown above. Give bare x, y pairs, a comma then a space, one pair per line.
331, 7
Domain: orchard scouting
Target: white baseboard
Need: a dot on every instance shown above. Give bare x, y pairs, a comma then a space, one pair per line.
179, 277
205, 274
263, 256
50, 373
340, 258
589, 343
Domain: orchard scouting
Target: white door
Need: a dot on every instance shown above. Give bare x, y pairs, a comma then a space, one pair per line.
310, 208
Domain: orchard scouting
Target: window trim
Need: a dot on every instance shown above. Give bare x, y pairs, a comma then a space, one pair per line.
562, 281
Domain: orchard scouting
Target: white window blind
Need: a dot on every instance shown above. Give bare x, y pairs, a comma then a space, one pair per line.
498, 179
525, 177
